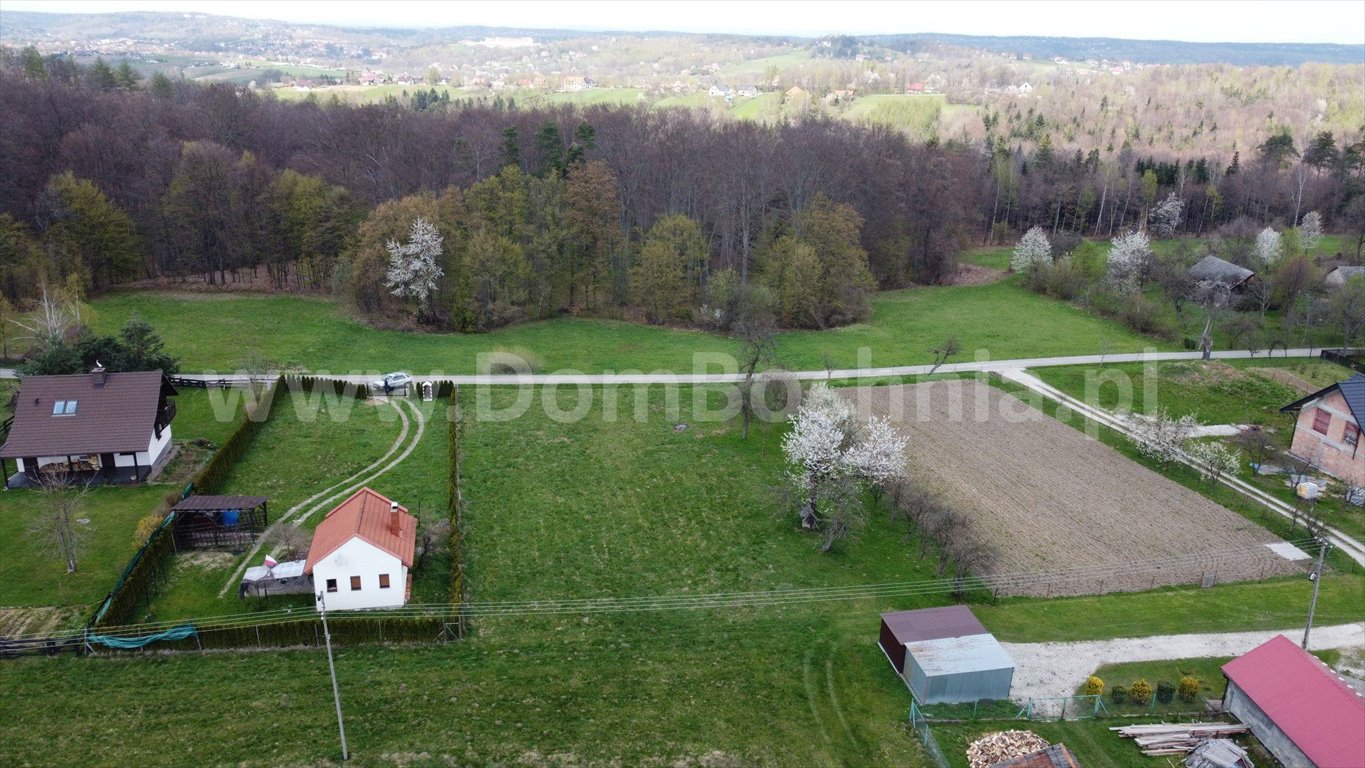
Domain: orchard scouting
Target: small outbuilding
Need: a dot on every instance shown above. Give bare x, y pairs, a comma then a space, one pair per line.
1297, 707
1214, 269
1339, 275
945, 655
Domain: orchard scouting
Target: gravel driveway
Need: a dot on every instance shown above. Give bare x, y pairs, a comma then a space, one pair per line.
1058, 669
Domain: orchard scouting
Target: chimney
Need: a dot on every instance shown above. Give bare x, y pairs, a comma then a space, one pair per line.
98, 374
394, 524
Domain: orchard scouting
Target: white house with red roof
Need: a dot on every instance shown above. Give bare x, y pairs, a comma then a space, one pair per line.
1301, 710
361, 553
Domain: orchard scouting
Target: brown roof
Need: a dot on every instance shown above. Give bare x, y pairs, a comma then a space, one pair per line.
114, 418
933, 623
218, 503
1055, 756
365, 515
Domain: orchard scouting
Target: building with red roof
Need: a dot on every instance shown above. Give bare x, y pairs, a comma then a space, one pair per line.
361, 553
1301, 710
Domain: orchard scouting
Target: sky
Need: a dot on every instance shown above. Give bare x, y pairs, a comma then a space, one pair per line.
1258, 21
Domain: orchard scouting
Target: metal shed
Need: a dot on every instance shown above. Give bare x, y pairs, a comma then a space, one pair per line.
945, 655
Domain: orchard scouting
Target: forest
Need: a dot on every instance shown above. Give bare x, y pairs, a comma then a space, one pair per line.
468, 215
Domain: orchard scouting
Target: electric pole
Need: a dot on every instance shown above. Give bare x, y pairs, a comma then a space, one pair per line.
1316, 577
336, 692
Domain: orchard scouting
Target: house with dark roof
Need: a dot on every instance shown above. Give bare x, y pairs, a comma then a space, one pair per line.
1339, 275
361, 553
945, 655
1299, 709
95, 427
1327, 429
1217, 270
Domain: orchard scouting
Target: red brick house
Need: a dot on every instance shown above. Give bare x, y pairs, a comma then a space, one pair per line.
1327, 431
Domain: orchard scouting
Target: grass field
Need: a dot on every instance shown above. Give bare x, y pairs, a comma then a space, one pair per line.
917, 115
1002, 320
300, 452
1094, 745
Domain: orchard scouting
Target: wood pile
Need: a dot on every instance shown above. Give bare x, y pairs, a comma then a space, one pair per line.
1003, 745
1176, 738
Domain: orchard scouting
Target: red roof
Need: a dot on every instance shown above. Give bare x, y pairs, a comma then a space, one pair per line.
367, 516
1321, 714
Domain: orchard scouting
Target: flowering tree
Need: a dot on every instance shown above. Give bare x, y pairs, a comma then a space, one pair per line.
413, 266
1161, 437
1033, 250
1214, 459
1310, 230
1128, 257
1166, 215
1268, 246
834, 458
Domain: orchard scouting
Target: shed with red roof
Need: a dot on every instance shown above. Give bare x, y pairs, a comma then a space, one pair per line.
1301, 710
361, 553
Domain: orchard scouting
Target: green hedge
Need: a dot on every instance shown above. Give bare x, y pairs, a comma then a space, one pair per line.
453, 492
307, 631
338, 387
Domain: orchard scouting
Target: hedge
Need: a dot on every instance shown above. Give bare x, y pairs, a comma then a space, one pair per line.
306, 630
453, 492
338, 387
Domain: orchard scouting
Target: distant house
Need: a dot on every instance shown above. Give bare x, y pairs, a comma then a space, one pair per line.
915, 88
1339, 275
1301, 711
945, 655
747, 91
1327, 430
1217, 270
575, 83
92, 427
1025, 88
361, 553
842, 94
719, 89
796, 92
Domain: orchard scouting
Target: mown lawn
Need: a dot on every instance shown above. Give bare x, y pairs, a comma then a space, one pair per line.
1091, 741
312, 443
997, 321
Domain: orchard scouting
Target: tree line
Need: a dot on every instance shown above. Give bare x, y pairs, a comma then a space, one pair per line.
655, 215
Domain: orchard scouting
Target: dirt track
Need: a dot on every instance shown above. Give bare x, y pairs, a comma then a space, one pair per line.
1049, 498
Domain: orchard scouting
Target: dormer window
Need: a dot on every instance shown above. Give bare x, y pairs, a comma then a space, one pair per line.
63, 407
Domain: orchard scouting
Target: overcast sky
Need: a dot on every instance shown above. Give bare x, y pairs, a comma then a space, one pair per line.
1269, 21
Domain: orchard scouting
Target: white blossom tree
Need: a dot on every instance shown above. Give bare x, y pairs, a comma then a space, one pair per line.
414, 266
1166, 216
1161, 437
1032, 251
1268, 247
1310, 230
1213, 459
834, 457
1129, 256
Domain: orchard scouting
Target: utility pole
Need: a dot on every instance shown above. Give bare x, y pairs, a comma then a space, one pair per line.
336, 692
1316, 577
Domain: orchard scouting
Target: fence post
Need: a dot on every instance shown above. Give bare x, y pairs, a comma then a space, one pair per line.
1064, 701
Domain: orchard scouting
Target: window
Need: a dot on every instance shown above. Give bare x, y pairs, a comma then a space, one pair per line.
1352, 435
1321, 420
63, 407
331, 585
383, 581
355, 583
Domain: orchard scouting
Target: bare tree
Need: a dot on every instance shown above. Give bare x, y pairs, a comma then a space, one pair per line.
1257, 442
293, 542
1214, 297
57, 528
948, 348
434, 534
757, 348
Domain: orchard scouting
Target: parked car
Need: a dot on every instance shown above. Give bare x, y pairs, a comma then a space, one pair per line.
392, 381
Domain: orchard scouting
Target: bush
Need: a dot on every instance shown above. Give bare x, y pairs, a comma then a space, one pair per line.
146, 527
1189, 688
1140, 691
1143, 315
1165, 692
1094, 686
1118, 694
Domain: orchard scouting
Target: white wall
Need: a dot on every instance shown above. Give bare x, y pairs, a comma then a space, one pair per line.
149, 457
358, 557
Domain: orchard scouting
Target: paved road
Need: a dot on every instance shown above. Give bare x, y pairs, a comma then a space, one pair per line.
1044, 670
841, 373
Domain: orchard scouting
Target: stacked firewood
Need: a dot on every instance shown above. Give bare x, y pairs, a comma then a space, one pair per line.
1003, 745
1177, 738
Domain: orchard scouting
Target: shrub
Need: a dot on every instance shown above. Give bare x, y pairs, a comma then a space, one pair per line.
1094, 686
1165, 691
1140, 691
1118, 694
1189, 688
1143, 315
146, 527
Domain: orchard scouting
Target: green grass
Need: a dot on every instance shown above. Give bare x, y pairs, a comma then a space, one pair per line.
299, 453
205, 415
215, 332
1214, 392
32, 573
1094, 745
915, 114
765, 107
588, 97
